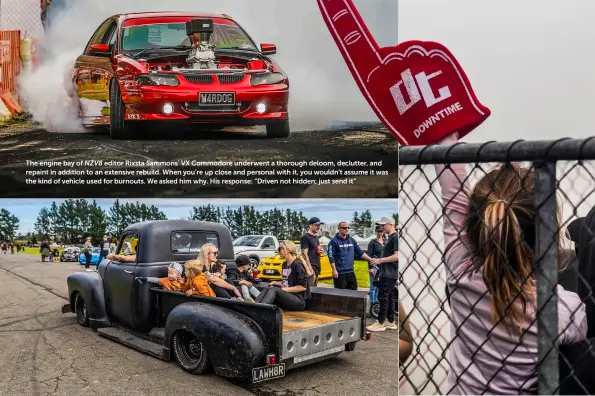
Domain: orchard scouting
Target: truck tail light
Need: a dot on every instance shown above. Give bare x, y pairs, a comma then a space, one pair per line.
271, 359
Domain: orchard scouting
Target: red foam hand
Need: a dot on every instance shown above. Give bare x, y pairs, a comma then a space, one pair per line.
418, 89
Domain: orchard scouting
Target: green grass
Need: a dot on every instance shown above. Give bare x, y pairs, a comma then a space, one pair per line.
361, 274
36, 251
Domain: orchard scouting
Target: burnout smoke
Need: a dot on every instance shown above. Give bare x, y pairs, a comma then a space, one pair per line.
322, 89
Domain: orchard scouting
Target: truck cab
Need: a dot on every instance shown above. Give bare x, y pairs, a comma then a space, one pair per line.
262, 341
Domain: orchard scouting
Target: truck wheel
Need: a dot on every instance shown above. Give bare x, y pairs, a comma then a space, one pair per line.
118, 128
190, 352
278, 129
80, 308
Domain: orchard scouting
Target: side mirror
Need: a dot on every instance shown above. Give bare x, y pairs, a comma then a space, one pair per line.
99, 49
268, 49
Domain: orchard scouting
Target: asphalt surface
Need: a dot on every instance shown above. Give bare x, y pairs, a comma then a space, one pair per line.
24, 140
45, 352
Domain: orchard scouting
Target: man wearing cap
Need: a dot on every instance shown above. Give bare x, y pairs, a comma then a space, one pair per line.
311, 250
341, 253
387, 281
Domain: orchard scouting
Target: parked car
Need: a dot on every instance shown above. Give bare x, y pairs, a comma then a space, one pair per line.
152, 67
261, 341
257, 247
94, 257
71, 253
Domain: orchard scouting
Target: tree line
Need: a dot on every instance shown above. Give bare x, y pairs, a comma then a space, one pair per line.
74, 219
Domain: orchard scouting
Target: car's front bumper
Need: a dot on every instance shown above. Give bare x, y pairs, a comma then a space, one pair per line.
147, 104
269, 273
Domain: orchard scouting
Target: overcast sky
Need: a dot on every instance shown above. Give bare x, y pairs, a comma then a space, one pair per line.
530, 61
328, 210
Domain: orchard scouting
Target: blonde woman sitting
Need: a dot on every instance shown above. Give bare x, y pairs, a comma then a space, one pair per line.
292, 292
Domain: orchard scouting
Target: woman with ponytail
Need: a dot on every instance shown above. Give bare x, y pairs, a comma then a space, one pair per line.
293, 291
489, 235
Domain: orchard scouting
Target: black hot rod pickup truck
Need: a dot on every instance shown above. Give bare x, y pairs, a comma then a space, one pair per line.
238, 340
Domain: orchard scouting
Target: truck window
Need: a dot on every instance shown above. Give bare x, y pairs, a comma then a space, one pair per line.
191, 241
128, 244
270, 241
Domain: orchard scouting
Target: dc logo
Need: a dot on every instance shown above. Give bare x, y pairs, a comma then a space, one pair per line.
416, 94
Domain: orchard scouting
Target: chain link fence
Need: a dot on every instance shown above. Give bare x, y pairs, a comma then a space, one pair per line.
481, 356
23, 15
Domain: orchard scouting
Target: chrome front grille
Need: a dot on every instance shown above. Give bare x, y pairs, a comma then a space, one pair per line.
230, 78
200, 78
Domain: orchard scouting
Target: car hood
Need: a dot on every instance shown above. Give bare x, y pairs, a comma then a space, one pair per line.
240, 249
276, 259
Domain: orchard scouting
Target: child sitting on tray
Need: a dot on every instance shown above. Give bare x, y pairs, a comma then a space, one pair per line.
242, 278
196, 281
174, 280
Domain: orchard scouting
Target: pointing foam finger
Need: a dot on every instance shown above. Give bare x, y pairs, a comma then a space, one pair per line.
352, 35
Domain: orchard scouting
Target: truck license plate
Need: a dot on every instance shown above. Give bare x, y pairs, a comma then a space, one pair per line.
216, 98
269, 272
274, 371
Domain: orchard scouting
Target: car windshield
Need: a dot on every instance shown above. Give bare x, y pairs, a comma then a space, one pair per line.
251, 241
167, 35
96, 250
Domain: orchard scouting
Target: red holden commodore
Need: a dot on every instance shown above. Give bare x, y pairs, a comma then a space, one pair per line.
202, 69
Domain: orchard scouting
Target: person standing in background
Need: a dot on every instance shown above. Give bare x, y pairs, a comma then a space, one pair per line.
44, 249
45, 6
389, 274
105, 249
127, 247
113, 246
341, 253
88, 249
311, 250
375, 250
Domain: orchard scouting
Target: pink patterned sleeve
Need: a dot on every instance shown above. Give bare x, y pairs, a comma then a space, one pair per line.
455, 202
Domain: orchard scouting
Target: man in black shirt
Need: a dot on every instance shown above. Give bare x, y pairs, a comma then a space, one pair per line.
311, 250
389, 274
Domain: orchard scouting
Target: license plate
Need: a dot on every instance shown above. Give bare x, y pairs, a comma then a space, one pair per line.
269, 272
274, 371
216, 98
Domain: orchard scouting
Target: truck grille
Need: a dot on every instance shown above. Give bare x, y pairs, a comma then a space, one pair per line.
230, 78
200, 78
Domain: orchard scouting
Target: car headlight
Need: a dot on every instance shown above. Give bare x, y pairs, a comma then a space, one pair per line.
157, 80
266, 79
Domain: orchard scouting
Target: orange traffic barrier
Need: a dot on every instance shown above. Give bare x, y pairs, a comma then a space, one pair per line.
10, 67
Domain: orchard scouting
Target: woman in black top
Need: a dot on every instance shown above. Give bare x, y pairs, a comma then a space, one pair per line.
293, 291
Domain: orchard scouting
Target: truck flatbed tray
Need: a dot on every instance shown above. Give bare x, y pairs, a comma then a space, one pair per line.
300, 320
